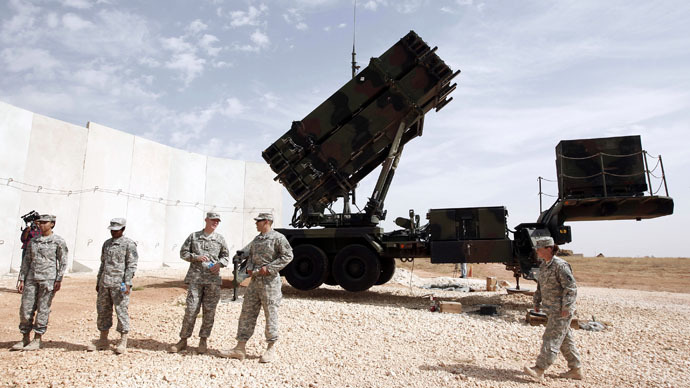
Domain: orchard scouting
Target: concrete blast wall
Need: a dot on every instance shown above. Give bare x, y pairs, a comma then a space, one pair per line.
87, 176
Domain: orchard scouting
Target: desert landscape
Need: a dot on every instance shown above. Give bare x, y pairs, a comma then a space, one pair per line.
384, 337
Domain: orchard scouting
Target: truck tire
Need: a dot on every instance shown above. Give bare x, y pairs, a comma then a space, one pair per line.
308, 268
356, 268
387, 270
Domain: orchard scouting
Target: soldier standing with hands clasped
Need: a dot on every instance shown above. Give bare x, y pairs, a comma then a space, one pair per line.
40, 277
206, 252
113, 284
268, 253
557, 291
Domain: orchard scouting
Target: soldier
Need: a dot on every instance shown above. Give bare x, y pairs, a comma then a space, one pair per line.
206, 252
113, 284
557, 291
40, 278
30, 231
268, 253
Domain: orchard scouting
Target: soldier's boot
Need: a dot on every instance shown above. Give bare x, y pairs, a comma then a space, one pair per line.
26, 338
122, 345
575, 374
270, 353
35, 344
535, 372
179, 346
101, 343
239, 351
203, 346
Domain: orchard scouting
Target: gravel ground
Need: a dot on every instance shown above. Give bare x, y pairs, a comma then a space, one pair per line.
384, 337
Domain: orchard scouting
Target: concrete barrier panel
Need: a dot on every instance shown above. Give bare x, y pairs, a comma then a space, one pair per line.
146, 217
15, 133
261, 193
187, 184
107, 165
87, 176
56, 160
225, 190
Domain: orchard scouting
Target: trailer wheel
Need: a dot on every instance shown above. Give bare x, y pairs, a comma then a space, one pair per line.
308, 268
387, 270
356, 268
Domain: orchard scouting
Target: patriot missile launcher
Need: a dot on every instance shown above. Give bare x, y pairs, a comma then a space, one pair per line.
366, 124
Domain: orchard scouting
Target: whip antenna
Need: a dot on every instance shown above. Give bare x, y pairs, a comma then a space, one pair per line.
354, 23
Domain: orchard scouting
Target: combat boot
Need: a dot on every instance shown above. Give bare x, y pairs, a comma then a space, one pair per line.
239, 352
203, 346
101, 343
179, 346
122, 345
26, 338
535, 372
269, 354
35, 344
575, 374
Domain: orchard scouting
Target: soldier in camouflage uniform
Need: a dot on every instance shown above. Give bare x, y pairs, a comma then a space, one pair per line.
557, 291
118, 263
40, 277
206, 252
267, 254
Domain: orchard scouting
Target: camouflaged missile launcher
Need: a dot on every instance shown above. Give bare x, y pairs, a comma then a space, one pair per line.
324, 156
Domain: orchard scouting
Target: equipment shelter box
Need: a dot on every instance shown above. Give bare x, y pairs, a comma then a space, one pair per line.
468, 235
467, 223
603, 167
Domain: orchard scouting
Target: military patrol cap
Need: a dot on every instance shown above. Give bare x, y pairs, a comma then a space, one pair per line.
46, 218
117, 223
213, 216
543, 242
264, 216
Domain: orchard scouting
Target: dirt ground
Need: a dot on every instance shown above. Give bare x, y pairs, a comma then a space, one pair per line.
158, 300
647, 274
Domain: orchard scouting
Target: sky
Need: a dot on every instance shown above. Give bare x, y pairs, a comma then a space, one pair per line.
226, 78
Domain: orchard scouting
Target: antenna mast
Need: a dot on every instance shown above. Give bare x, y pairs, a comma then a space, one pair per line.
354, 23
346, 197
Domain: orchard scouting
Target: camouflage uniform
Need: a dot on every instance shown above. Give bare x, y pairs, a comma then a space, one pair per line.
557, 291
45, 264
203, 286
33, 232
273, 251
118, 263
